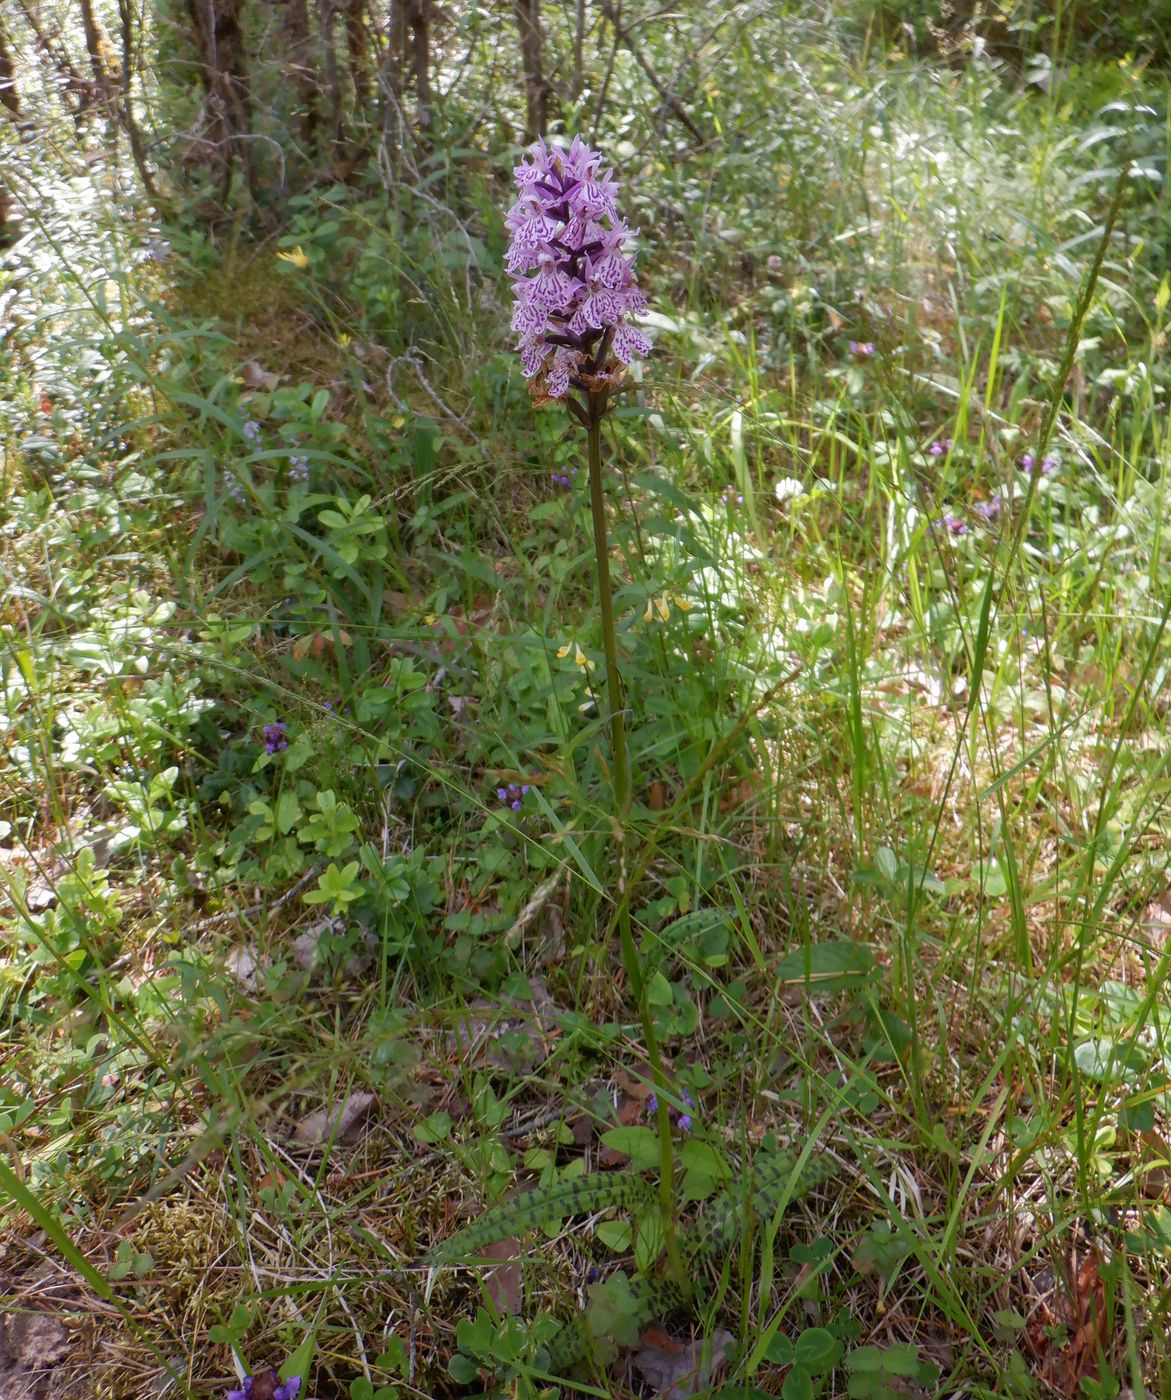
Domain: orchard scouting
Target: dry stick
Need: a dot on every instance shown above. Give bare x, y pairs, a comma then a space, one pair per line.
636, 53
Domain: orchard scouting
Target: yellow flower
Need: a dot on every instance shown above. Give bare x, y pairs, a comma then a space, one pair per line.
657, 605
580, 659
683, 604
296, 257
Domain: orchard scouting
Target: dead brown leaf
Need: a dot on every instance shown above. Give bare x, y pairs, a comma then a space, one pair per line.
340, 1125
530, 1026
677, 1369
253, 375
504, 1283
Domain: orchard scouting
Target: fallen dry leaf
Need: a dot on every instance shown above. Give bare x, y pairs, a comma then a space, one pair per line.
504, 1283
530, 1025
340, 1125
1087, 1321
253, 375
676, 1369
244, 966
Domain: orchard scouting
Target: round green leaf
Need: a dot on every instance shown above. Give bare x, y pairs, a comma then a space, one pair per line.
817, 1350
798, 1385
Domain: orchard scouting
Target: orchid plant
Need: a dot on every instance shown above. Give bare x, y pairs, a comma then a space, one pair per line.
575, 299
575, 293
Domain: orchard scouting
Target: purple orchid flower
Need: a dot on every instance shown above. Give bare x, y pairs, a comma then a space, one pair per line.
573, 278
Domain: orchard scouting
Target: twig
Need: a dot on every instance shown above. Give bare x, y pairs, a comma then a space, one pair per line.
265, 906
652, 77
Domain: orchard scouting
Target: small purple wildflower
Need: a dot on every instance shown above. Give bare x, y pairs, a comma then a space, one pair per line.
576, 306
513, 795
237, 492
1028, 462
298, 467
953, 524
989, 511
681, 1120
731, 497
862, 349
252, 432
274, 737
940, 448
1049, 465
565, 480
286, 1390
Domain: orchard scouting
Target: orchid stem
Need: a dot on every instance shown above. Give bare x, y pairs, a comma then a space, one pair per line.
605, 599
622, 796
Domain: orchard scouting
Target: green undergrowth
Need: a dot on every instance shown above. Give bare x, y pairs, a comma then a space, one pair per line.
309, 910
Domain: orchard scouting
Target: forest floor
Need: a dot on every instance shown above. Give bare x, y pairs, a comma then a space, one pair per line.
310, 907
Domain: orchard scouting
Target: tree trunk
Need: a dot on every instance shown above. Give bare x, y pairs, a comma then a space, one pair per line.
126, 105
304, 70
331, 80
8, 94
536, 93
421, 60
579, 50
223, 69
11, 103
358, 51
94, 48
72, 82
391, 84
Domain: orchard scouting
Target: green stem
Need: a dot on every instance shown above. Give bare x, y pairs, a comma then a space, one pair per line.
609, 639
622, 794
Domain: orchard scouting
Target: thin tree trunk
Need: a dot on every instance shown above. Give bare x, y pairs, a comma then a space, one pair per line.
304, 71
72, 81
93, 47
332, 81
579, 50
536, 93
421, 59
9, 98
126, 106
391, 82
358, 52
220, 42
